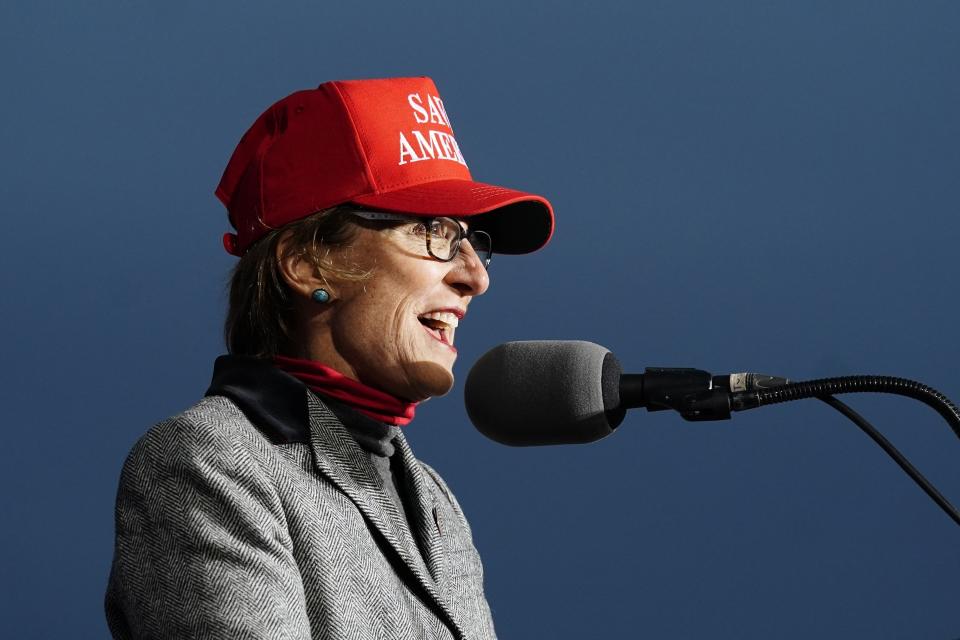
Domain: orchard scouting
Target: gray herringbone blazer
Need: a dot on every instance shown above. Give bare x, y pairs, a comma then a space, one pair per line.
222, 533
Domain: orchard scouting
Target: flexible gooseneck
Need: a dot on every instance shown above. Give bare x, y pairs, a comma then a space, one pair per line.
850, 384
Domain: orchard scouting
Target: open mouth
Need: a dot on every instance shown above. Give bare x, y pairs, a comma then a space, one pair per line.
442, 325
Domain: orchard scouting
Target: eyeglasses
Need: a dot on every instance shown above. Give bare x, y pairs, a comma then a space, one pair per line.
443, 235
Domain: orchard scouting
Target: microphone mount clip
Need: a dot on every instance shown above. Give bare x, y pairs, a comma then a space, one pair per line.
689, 392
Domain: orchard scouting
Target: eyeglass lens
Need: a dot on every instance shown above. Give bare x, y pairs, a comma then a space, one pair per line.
443, 241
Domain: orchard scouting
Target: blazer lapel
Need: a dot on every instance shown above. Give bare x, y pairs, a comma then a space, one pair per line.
338, 457
426, 515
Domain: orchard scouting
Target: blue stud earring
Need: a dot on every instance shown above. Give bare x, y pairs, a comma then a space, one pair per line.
320, 296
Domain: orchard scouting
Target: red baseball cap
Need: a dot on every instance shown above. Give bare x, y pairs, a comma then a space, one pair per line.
381, 144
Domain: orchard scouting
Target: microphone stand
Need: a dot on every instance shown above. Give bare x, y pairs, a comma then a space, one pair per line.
695, 396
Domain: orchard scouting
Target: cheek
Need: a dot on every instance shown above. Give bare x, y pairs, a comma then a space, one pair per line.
404, 327
383, 325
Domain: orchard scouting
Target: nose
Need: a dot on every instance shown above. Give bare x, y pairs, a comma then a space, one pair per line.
468, 274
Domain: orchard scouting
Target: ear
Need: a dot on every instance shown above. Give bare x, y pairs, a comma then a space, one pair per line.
298, 272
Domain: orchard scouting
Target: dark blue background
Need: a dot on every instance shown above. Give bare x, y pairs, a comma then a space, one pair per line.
766, 186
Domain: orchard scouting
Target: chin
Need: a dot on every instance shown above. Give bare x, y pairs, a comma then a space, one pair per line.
427, 380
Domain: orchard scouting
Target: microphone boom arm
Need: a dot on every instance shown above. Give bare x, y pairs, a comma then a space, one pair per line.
697, 396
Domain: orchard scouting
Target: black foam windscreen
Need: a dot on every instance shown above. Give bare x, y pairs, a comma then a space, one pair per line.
544, 392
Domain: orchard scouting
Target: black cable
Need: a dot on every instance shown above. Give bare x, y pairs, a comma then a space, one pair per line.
898, 457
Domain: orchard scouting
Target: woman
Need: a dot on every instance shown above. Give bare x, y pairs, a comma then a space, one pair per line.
287, 503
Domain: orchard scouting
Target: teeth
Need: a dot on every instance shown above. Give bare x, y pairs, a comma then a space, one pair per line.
445, 317
448, 334
444, 322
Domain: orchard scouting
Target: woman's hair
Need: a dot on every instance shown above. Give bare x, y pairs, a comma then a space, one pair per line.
260, 317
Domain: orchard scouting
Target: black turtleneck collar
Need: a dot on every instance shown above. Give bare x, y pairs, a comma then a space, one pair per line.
276, 403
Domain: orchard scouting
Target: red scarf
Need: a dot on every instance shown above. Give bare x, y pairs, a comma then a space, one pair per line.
371, 402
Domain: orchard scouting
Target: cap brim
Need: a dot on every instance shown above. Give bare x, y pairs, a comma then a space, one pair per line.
517, 222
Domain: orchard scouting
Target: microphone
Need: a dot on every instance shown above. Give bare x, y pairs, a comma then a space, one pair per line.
569, 392
544, 392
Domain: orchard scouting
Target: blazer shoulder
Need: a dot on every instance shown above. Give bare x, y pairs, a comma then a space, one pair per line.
211, 415
214, 429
